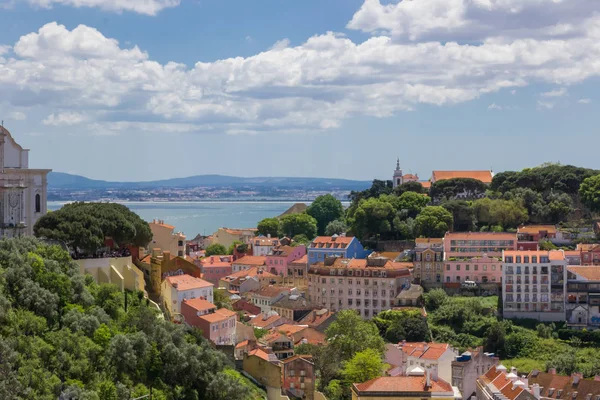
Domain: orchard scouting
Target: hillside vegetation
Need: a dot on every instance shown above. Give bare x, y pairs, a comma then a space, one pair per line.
63, 336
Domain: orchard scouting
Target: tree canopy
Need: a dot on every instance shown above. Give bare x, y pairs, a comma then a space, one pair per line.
215, 249
433, 221
85, 226
325, 209
590, 192
64, 336
269, 226
299, 224
448, 189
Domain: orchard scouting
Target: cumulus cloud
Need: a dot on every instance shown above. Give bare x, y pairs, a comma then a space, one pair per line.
555, 93
281, 44
494, 106
472, 20
544, 105
64, 118
584, 101
147, 7
313, 86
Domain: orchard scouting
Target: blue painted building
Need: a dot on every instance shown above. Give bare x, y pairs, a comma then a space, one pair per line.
335, 246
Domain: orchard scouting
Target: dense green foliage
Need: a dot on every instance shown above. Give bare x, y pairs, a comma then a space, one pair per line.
395, 326
590, 192
63, 335
448, 189
325, 209
215, 249
335, 228
347, 337
433, 221
268, 226
85, 226
299, 224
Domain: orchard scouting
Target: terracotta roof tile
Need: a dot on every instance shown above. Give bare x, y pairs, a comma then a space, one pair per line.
483, 176
251, 260
187, 282
265, 241
199, 304
591, 273
301, 260
270, 291
535, 229
402, 384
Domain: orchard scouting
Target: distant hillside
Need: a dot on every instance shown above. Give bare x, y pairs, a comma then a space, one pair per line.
61, 180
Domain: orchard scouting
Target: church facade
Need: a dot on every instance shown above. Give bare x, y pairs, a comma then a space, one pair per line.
23, 191
399, 178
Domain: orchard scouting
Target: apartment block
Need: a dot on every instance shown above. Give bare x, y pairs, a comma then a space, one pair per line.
583, 297
366, 285
534, 284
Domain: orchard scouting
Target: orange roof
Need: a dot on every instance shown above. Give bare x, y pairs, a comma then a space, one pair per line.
187, 282
534, 229
588, 246
220, 315
281, 251
251, 260
410, 176
146, 260
199, 304
590, 273
402, 384
259, 353
316, 318
301, 260
217, 261
427, 351
363, 264
239, 231
270, 291
162, 223
321, 241
483, 176
242, 344
260, 323
425, 184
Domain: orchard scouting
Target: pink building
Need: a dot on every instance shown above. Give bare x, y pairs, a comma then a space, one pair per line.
217, 326
216, 268
476, 256
279, 258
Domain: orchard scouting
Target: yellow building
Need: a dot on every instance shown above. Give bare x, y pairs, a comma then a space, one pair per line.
165, 238
159, 265
226, 236
120, 271
415, 387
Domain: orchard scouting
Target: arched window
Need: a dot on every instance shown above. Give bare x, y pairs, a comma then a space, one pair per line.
38, 203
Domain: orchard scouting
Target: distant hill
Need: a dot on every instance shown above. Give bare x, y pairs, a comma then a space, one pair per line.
61, 180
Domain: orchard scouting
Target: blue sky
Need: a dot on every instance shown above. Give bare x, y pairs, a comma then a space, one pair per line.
152, 89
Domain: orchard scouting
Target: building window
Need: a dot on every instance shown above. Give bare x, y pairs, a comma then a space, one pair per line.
458, 267
180, 243
38, 203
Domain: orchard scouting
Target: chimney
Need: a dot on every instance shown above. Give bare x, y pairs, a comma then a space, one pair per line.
552, 371
428, 378
535, 391
212, 259
314, 315
269, 235
434, 373
166, 255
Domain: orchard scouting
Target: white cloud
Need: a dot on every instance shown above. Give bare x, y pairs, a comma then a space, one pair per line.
555, 93
494, 106
281, 44
312, 86
147, 7
544, 105
4, 49
64, 118
473, 20
584, 101
17, 116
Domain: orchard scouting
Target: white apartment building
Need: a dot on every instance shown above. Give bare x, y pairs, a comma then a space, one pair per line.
175, 289
365, 285
534, 284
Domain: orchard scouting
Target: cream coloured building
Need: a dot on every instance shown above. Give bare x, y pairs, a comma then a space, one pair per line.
165, 238
24, 190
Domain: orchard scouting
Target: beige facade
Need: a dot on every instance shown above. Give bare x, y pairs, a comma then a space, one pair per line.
165, 238
368, 286
226, 236
119, 271
23, 191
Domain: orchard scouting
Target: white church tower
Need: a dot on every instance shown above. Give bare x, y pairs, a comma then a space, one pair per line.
397, 179
23, 191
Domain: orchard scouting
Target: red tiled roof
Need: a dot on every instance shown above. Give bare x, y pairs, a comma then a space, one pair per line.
316, 318
425, 184
217, 261
250, 272
220, 315
402, 384
301, 260
146, 260
187, 282
242, 344
260, 323
199, 304
428, 351
161, 223
591, 273
483, 176
239, 231
259, 353
251, 260
270, 291
588, 246
264, 241
429, 240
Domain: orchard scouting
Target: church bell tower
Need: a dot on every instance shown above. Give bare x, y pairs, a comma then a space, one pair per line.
397, 179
